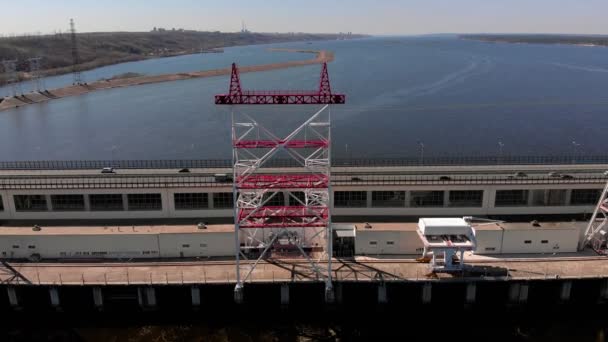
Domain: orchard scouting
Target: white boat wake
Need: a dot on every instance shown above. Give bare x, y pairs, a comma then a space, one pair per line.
581, 67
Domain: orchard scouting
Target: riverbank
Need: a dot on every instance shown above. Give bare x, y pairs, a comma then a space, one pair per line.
31, 98
589, 41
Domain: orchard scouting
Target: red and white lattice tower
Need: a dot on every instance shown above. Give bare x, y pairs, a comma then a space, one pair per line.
282, 213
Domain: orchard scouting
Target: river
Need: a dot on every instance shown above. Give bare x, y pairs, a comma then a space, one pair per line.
454, 96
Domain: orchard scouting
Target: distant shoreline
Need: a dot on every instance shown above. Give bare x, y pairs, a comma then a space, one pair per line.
108, 48
587, 41
321, 56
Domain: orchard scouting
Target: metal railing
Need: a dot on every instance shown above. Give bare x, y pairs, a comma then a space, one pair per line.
338, 162
117, 181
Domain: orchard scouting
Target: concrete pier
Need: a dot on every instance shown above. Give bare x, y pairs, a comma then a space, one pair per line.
426, 293
471, 293
13, 299
195, 294
565, 290
337, 293
239, 296
330, 294
382, 296
518, 293
97, 297
285, 294
146, 296
603, 290
54, 296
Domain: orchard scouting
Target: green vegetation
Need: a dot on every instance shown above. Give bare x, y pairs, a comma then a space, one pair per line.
540, 39
104, 48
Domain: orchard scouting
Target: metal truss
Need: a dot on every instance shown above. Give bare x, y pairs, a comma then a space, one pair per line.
281, 213
237, 96
36, 79
596, 234
10, 68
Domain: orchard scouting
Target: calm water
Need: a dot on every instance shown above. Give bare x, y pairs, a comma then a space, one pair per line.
455, 96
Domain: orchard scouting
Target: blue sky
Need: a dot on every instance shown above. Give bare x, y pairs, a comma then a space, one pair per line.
361, 16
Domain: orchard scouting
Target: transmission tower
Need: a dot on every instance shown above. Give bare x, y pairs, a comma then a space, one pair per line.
36, 79
10, 68
281, 214
78, 79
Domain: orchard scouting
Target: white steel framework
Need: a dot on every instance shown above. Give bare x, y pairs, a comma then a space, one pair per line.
298, 228
596, 234
265, 225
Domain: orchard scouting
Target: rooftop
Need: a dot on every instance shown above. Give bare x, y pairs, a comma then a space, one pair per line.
397, 226
542, 225
103, 230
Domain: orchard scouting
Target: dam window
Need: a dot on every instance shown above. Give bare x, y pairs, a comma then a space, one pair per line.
511, 198
466, 198
544, 241
350, 199
222, 200
555, 197
106, 202
426, 199
390, 243
31, 246
191, 201
388, 199
1, 204
490, 249
30, 203
528, 242
373, 243
16, 246
67, 202
144, 202
295, 196
585, 196
186, 246
278, 200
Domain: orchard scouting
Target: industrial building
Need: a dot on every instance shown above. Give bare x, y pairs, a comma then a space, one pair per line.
364, 192
378, 240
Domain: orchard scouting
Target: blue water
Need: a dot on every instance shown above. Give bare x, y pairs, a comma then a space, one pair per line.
246, 55
455, 96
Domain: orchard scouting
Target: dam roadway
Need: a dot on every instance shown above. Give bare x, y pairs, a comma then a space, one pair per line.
521, 280
361, 269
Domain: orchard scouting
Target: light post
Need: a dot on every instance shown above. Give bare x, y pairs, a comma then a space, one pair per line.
112, 151
421, 145
575, 146
500, 148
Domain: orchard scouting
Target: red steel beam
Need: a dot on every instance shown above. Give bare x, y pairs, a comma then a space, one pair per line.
275, 143
236, 96
280, 181
283, 217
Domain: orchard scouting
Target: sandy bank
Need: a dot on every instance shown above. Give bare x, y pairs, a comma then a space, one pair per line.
19, 101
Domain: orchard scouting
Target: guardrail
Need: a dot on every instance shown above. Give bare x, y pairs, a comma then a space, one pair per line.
337, 162
117, 181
